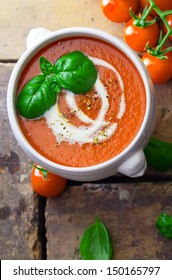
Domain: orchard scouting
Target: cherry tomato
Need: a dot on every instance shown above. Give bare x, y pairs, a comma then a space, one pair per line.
162, 4
137, 37
53, 185
160, 70
169, 20
118, 10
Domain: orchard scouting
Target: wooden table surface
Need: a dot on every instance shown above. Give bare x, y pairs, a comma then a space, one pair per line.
32, 227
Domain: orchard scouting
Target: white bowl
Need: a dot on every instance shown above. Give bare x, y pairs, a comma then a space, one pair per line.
131, 161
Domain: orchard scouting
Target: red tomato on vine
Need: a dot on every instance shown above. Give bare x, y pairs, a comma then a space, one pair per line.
169, 20
137, 37
160, 70
162, 4
118, 10
45, 183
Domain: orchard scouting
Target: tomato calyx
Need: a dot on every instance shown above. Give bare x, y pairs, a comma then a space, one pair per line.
141, 22
43, 171
159, 53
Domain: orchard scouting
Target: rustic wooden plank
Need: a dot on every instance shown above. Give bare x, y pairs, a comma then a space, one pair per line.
18, 17
163, 129
18, 205
129, 211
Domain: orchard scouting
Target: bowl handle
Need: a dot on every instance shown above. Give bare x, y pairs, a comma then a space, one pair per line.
35, 35
135, 165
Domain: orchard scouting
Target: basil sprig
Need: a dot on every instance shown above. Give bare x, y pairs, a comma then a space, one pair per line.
95, 243
73, 71
159, 154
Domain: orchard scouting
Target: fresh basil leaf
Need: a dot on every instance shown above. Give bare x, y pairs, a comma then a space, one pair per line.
164, 225
75, 72
53, 82
46, 67
159, 154
96, 243
36, 97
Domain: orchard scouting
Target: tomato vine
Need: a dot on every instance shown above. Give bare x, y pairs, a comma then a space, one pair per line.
148, 31
159, 51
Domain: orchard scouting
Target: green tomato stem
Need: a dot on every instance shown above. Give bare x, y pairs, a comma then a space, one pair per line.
160, 45
167, 50
141, 22
147, 11
167, 13
44, 171
162, 15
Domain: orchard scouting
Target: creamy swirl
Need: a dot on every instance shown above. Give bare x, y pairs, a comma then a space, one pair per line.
99, 129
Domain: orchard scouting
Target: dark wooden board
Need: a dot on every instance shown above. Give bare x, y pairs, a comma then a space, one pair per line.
129, 211
18, 205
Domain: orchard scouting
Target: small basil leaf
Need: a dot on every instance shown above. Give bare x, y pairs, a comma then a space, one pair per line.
46, 66
96, 243
75, 72
159, 154
35, 98
53, 82
164, 225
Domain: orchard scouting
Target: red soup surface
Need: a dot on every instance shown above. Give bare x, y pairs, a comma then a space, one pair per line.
112, 117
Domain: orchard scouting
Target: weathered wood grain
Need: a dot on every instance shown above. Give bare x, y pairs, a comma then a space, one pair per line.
129, 211
18, 204
163, 129
17, 18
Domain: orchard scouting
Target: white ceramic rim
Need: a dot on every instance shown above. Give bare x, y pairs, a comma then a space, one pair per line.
67, 33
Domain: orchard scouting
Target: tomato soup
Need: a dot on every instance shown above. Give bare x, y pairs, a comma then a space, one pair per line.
87, 129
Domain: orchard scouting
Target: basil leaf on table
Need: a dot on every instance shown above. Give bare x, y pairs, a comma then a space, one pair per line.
96, 243
46, 66
159, 154
164, 225
36, 97
75, 72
